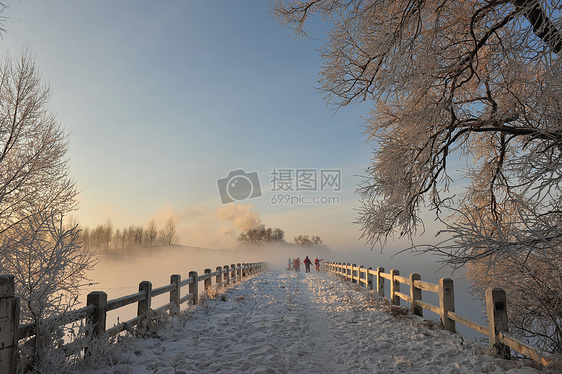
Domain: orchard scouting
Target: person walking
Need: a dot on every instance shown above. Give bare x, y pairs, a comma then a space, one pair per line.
307, 264
317, 263
297, 264
290, 263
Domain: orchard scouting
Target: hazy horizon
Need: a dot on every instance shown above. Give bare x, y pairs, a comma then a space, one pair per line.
161, 113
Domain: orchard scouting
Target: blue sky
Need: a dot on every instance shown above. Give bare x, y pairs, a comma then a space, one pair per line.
162, 99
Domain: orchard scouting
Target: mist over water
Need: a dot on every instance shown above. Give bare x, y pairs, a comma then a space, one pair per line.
119, 272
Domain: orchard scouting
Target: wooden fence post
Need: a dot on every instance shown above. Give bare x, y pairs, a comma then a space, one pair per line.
496, 309
207, 282
233, 270
175, 295
218, 279
9, 323
380, 281
226, 274
194, 287
97, 320
143, 308
415, 294
353, 267
394, 287
446, 303
369, 279
359, 276
239, 272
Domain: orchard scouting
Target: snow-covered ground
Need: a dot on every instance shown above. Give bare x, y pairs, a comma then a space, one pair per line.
286, 322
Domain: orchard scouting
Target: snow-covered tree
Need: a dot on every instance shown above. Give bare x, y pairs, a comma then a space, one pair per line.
33, 168
3, 18
471, 80
49, 267
47, 261
35, 192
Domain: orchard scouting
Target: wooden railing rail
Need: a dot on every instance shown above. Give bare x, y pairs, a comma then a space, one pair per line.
27, 330
124, 301
496, 307
95, 312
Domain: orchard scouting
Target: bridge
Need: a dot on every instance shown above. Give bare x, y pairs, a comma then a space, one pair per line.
287, 322
283, 322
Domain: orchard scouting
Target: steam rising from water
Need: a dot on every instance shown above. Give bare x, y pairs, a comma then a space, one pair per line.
240, 216
205, 227
120, 272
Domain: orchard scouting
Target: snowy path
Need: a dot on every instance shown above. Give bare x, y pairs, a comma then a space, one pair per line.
286, 322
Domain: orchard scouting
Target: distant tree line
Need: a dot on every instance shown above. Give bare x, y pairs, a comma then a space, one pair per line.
265, 235
262, 236
305, 241
106, 237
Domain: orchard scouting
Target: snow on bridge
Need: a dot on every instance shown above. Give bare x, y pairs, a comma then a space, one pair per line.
287, 322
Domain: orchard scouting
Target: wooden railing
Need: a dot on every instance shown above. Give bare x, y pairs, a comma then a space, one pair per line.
97, 306
496, 306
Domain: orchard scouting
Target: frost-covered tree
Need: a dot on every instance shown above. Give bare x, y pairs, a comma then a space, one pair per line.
47, 261
458, 80
3, 18
33, 166
35, 192
49, 267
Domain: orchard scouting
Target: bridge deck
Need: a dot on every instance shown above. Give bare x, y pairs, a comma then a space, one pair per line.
286, 322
